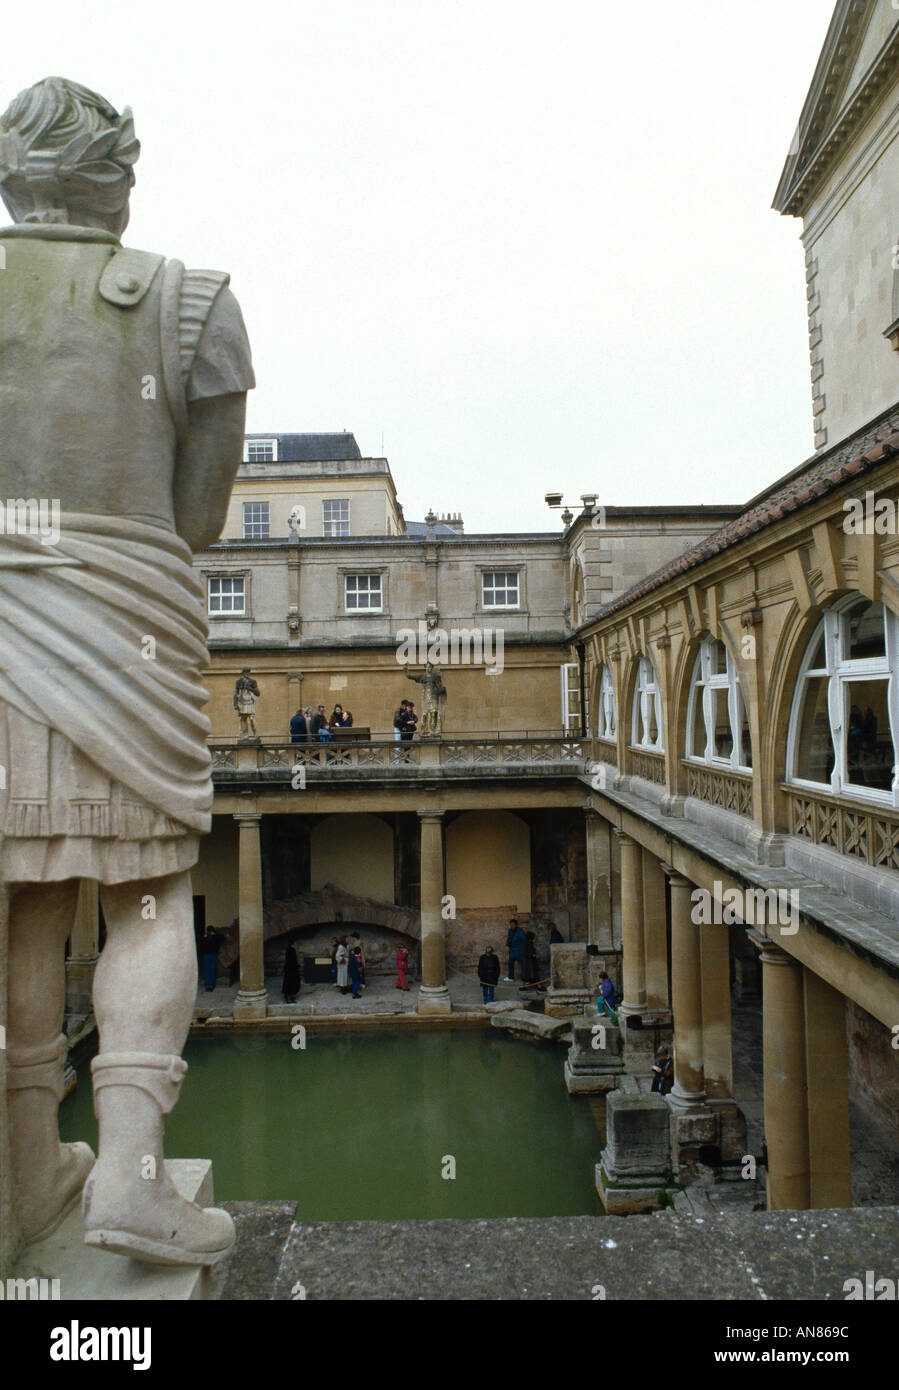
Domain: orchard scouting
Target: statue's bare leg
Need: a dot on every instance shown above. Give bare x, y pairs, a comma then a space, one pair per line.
144, 989
47, 1176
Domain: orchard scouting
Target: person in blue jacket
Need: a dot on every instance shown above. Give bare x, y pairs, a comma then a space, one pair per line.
515, 939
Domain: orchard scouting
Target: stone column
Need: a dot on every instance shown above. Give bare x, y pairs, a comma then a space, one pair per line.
252, 1000
83, 949
433, 996
688, 1091
655, 935
827, 1063
633, 964
717, 1045
599, 882
786, 1101
294, 694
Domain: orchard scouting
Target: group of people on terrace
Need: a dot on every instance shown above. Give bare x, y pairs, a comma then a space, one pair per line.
307, 727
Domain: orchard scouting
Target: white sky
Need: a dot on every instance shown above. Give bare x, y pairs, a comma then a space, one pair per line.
530, 244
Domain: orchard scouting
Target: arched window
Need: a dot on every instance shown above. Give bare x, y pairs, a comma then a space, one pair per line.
844, 726
607, 721
646, 721
717, 724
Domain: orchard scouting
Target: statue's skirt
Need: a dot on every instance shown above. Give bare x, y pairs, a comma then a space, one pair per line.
103, 739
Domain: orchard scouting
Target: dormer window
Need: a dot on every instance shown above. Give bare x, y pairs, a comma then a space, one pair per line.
260, 451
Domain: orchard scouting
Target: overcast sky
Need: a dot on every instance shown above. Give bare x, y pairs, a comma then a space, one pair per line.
528, 245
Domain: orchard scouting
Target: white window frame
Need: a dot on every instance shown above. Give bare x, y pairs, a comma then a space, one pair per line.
341, 521
570, 676
226, 612
501, 607
839, 672
607, 725
260, 444
367, 575
646, 690
703, 684
256, 502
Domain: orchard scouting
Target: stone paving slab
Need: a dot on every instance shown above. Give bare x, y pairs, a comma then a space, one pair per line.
732, 1256
262, 1232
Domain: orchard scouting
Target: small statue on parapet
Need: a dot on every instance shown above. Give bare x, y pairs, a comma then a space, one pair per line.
433, 694
246, 692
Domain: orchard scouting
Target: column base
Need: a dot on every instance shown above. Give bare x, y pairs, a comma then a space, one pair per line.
434, 999
250, 1003
688, 1102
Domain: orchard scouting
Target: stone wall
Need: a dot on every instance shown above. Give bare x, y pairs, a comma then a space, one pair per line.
873, 1069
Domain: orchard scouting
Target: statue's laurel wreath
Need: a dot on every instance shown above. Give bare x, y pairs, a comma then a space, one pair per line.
60, 133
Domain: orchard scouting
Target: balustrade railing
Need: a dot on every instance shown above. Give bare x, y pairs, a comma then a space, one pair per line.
729, 790
870, 834
508, 751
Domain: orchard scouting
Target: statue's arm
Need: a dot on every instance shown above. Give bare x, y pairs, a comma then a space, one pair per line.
206, 467
417, 679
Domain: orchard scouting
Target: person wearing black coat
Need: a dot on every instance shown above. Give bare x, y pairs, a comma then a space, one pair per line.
488, 973
299, 728
290, 987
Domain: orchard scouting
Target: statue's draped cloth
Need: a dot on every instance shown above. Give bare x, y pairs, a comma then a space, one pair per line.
102, 734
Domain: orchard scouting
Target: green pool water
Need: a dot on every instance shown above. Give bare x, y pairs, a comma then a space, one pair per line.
359, 1127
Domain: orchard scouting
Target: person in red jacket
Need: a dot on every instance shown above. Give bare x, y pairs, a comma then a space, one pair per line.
402, 965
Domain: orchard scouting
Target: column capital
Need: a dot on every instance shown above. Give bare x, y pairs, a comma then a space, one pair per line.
622, 836
771, 953
431, 815
247, 816
675, 877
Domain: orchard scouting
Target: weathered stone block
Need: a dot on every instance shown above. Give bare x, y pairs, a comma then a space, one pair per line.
637, 1151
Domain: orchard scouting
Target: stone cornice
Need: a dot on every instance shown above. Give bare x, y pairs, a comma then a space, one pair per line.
825, 129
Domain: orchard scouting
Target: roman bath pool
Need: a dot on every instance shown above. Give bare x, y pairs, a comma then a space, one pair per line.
363, 1126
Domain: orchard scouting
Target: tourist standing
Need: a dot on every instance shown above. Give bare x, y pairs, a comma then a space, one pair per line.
212, 944
410, 723
320, 728
356, 945
299, 731
515, 944
338, 719
290, 986
488, 973
334, 944
402, 965
341, 957
356, 971
529, 972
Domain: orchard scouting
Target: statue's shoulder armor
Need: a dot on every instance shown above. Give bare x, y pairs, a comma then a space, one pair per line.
128, 276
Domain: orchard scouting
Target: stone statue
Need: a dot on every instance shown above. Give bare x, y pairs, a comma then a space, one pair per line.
433, 699
246, 692
123, 381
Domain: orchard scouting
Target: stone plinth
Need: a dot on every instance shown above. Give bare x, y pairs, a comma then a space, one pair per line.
569, 991
85, 1272
635, 1171
643, 1031
594, 1063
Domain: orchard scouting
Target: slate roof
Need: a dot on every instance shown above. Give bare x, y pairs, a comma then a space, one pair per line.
313, 448
419, 528
813, 479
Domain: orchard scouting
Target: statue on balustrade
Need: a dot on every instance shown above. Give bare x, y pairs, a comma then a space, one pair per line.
246, 692
123, 381
433, 699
